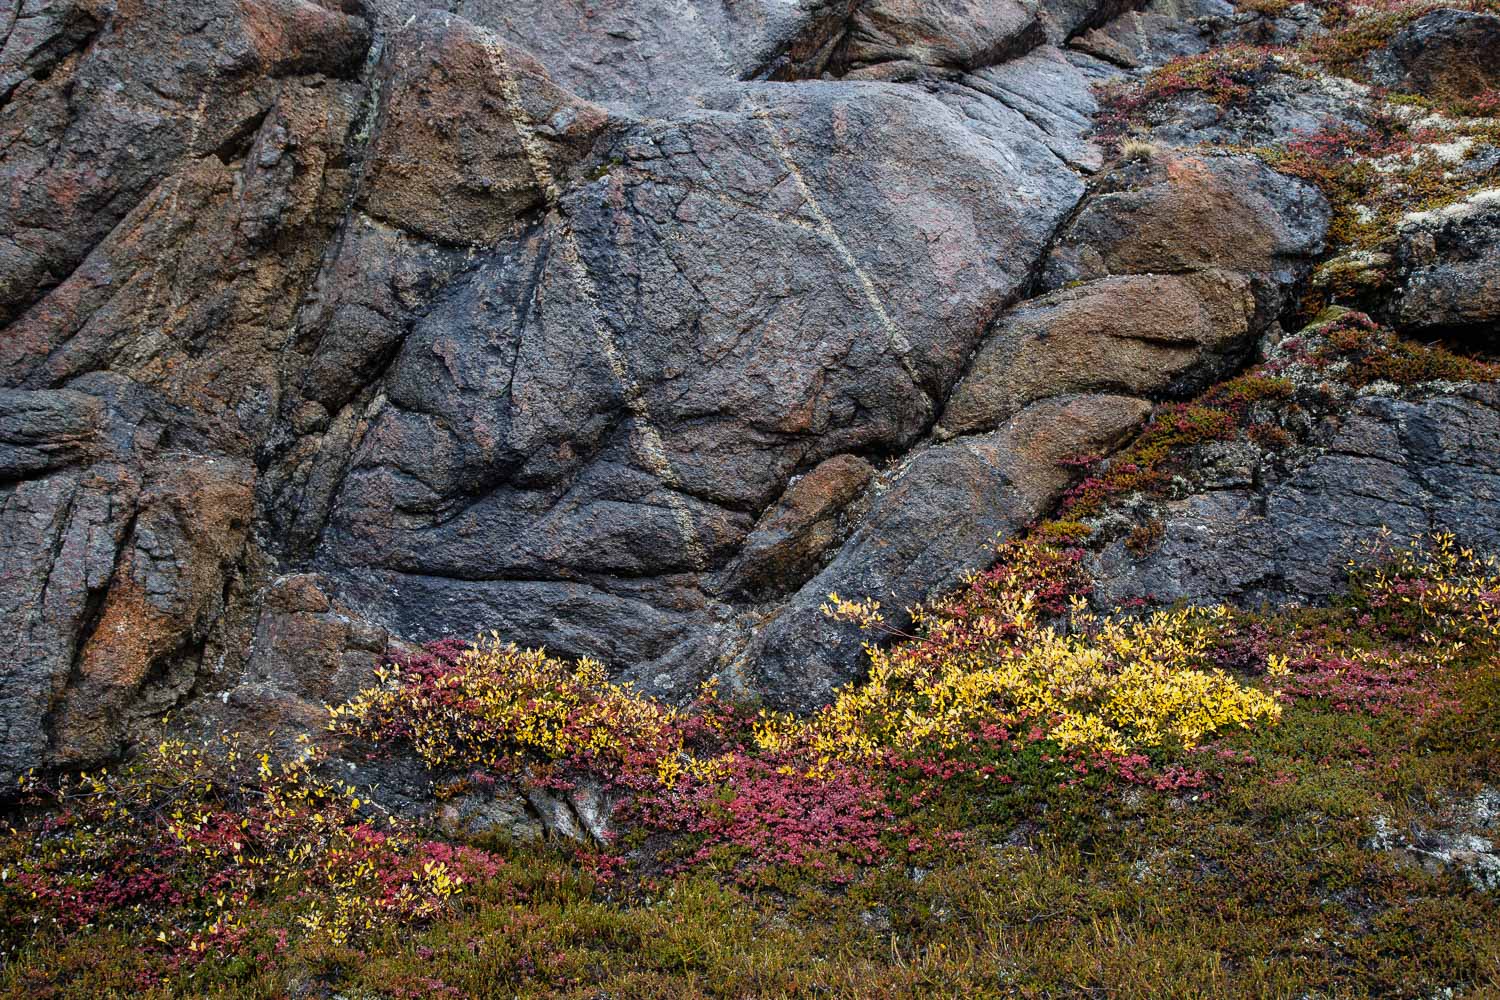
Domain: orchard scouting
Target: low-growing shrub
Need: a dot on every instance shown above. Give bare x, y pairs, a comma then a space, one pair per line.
1112, 686
208, 837
517, 712
1003, 703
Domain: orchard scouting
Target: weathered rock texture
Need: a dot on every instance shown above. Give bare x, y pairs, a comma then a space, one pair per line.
1412, 466
1450, 259
630, 329
1446, 54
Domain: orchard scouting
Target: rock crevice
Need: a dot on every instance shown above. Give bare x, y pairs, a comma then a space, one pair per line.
630, 332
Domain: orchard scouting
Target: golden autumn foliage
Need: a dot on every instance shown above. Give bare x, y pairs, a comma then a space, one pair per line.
1115, 684
488, 702
1448, 592
1112, 685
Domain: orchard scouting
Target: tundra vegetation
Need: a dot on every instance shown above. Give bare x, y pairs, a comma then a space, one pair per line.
1023, 797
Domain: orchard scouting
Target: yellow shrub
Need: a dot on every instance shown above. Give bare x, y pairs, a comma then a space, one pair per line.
485, 703
1108, 685
1437, 586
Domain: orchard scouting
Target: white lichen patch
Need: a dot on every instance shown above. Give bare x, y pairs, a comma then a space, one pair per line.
1475, 203
1452, 152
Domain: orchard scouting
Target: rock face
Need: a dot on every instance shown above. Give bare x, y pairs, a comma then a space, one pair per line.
1410, 466
1183, 212
175, 174
1131, 333
584, 427
628, 329
935, 517
1165, 275
1450, 259
1445, 54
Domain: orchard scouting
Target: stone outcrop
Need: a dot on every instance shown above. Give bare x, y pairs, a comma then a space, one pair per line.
305, 651
934, 518
958, 34
102, 101
175, 175
472, 134
1459, 837
585, 427
1449, 261
1138, 334
1444, 54
1164, 277
1183, 212
1412, 466
630, 330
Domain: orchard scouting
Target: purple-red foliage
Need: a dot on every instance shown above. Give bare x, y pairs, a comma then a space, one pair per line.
774, 813
1350, 685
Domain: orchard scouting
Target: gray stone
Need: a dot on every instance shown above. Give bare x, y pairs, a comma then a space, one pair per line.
1449, 841
1282, 108
958, 34
652, 54
500, 810
1446, 54
102, 102
791, 539
42, 430
1161, 31
472, 134
1047, 93
581, 432
327, 329
1448, 270
177, 171
936, 519
1412, 466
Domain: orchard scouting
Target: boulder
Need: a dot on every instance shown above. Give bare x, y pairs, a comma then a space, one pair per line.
1176, 212
1142, 335
473, 134
1448, 270
1446, 54
956, 34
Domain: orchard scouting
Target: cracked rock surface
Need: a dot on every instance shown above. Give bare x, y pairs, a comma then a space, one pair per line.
1412, 466
627, 329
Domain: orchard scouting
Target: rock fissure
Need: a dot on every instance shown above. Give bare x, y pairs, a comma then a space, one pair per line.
88, 625
576, 325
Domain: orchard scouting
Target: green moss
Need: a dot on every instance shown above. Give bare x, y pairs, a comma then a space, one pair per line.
1063, 532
